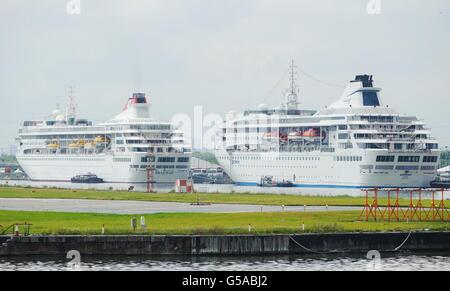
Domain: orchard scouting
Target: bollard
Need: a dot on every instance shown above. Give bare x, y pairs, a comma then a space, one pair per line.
326, 207
133, 223
282, 208
303, 226
143, 225
103, 229
249, 228
304, 207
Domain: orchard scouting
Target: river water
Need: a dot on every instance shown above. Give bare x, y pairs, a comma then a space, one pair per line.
398, 262
201, 188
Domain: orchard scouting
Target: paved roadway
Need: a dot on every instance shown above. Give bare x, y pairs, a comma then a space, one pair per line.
140, 207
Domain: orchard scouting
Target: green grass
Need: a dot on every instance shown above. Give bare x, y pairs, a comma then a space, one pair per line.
207, 223
215, 198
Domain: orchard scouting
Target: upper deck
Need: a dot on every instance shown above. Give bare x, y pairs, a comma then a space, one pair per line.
358, 120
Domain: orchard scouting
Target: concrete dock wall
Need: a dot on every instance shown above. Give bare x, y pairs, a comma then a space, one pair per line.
225, 245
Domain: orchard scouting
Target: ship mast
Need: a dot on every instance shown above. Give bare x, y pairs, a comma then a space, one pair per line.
292, 95
71, 108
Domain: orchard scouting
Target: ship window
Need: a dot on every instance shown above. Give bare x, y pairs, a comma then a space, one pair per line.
166, 160
183, 160
432, 159
432, 146
407, 168
387, 159
370, 99
165, 167
343, 136
147, 159
408, 159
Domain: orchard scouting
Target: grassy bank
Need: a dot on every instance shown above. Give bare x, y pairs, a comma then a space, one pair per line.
235, 198
206, 223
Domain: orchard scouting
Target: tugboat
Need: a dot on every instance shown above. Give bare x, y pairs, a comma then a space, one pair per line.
87, 179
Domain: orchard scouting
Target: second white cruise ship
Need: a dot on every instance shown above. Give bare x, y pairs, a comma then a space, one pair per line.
133, 147
356, 142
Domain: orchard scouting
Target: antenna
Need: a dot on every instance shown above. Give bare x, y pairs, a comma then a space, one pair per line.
71, 108
292, 95
293, 77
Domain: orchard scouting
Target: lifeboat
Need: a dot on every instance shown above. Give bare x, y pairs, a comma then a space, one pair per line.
311, 133
77, 144
53, 146
99, 139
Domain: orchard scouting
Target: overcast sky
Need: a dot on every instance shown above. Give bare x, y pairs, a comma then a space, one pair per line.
222, 54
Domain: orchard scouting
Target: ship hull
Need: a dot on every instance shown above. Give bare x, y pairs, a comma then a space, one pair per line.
112, 169
318, 170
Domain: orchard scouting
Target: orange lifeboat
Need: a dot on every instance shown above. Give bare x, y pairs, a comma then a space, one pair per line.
311, 133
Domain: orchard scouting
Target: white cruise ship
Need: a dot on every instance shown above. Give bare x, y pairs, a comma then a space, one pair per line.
356, 142
131, 148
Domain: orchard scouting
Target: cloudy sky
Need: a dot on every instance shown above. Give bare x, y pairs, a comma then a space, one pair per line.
221, 54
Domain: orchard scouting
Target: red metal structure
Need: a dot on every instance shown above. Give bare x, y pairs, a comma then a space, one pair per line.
414, 211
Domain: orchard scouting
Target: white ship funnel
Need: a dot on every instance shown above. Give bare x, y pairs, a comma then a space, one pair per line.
359, 93
137, 107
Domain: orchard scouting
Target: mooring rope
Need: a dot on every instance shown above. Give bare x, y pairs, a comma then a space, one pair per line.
335, 251
403, 243
310, 250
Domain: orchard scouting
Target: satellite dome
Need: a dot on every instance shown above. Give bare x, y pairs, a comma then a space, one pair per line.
60, 117
56, 112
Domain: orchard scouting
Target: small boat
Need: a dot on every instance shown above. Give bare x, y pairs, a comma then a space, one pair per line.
268, 181
87, 179
285, 184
